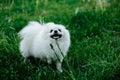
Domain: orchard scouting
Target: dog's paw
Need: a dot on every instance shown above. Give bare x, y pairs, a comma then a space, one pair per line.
60, 70
24, 60
49, 61
58, 65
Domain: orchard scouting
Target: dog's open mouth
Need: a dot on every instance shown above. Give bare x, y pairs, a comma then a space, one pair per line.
56, 36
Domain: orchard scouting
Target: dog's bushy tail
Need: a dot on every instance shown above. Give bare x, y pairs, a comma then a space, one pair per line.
31, 30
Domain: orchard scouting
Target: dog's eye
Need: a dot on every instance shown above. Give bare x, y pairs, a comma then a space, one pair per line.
59, 30
51, 31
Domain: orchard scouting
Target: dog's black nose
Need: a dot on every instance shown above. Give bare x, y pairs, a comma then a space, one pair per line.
55, 31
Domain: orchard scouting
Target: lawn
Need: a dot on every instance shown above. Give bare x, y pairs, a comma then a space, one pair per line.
94, 26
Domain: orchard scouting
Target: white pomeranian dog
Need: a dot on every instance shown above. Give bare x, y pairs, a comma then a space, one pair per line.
39, 41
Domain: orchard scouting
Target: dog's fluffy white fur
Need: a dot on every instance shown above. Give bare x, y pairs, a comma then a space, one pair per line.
36, 41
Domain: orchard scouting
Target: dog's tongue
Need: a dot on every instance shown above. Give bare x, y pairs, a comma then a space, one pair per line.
55, 37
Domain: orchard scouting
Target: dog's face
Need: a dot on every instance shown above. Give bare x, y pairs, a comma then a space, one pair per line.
55, 31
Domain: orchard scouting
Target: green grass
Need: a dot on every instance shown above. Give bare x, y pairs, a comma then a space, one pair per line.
94, 53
